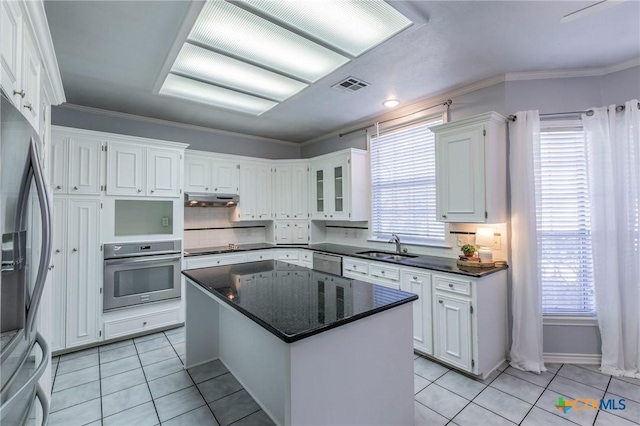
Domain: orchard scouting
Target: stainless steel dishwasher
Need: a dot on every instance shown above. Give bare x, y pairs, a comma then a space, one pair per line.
327, 263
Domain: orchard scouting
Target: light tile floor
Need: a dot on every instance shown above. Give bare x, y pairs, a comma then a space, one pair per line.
142, 382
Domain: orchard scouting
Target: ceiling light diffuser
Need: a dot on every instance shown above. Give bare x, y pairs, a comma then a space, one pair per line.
203, 64
350, 26
391, 103
194, 90
235, 32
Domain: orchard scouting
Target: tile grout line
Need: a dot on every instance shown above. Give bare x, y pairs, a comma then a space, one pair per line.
100, 386
547, 387
605, 393
147, 383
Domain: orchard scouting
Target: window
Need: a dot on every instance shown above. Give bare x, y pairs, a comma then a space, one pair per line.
563, 220
403, 185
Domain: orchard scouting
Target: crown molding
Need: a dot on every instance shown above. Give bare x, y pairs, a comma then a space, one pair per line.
150, 120
585, 72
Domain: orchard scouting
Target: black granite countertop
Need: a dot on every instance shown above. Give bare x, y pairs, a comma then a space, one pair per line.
293, 302
442, 264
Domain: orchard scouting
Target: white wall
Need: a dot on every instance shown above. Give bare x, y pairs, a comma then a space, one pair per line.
198, 138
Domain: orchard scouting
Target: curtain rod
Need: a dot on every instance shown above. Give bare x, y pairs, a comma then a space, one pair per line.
589, 113
447, 103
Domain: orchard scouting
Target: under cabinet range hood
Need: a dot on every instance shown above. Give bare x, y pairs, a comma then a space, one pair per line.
199, 199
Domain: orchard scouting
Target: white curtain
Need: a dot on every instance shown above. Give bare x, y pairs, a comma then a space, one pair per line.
524, 154
613, 148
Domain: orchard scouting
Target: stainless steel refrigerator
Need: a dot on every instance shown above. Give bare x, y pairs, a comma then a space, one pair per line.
25, 220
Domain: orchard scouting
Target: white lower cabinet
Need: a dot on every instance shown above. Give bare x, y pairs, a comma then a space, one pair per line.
419, 282
127, 322
77, 266
207, 261
452, 322
258, 255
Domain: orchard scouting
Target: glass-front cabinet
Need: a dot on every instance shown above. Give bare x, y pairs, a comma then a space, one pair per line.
332, 187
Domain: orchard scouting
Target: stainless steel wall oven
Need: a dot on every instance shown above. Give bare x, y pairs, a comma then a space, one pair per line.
136, 273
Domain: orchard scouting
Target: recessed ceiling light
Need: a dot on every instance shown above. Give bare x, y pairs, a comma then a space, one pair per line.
241, 34
203, 64
391, 103
350, 26
194, 90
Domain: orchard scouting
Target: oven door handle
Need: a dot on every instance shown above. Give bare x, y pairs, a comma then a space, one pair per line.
142, 259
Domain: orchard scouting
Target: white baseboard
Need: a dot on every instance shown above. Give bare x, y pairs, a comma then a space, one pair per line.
562, 358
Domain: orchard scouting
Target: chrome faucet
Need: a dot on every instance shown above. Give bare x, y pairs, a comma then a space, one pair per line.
396, 239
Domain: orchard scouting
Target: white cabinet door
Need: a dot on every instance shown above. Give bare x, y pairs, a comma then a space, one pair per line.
283, 193
125, 175
460, 175
83, 272
163, 172
31, 69
453, 330
59, 274
84, 166
226, 175
10, 46
319, 182
263, 196
337, 189
299, 192
197, 175
247, 207
59, 164
284, 233
420, 283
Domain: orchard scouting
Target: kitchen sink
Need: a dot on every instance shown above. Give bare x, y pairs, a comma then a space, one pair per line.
387, 255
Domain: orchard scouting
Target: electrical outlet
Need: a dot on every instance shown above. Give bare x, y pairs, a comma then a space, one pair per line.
462, 240
165, 221
497, 243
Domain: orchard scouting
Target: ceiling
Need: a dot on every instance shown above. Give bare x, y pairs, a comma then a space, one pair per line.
111, 55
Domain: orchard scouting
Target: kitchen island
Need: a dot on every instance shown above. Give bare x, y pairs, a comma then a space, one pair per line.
310, 347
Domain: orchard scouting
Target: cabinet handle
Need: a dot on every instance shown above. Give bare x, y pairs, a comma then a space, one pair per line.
28, 106
152, 191
216, 189
139, 190
51, 267
440, 301
74, 250
207, 188
415, 278
75, 188
382, 272
58, 187
144, 323
252, 216
355, 266
57, 250
450, 285
21, 93
444, 216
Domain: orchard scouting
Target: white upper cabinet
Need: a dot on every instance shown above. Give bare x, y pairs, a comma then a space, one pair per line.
339, 186
75, 164
255, 192
31, 68
163, 172
291, 190
125, 174
10, 49
210, 174
471, 170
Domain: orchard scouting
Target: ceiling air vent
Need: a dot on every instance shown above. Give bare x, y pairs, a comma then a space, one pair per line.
350, 84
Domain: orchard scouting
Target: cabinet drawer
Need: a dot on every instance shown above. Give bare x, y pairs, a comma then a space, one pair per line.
384, 272
287, 255
453, 285
306, 256
215, 260
140, 323
355, 266
259, 255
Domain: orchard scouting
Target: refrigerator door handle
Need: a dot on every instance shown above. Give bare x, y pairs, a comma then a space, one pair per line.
44, 403
33, 170
31, 383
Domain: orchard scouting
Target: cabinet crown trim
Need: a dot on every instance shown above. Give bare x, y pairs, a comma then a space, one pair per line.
476, 119
116, 137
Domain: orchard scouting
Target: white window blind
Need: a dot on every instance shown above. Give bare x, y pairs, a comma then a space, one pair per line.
563, 220
403, 185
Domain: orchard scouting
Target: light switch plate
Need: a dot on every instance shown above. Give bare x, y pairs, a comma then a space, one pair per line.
497, 244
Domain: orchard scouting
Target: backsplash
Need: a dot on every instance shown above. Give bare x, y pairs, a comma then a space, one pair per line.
211, 227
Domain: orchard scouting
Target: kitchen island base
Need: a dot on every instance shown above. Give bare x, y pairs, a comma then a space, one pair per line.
360, 373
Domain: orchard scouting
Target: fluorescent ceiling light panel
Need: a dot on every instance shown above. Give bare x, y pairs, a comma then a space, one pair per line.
350, 26
193, 90
203, 64
241, 34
